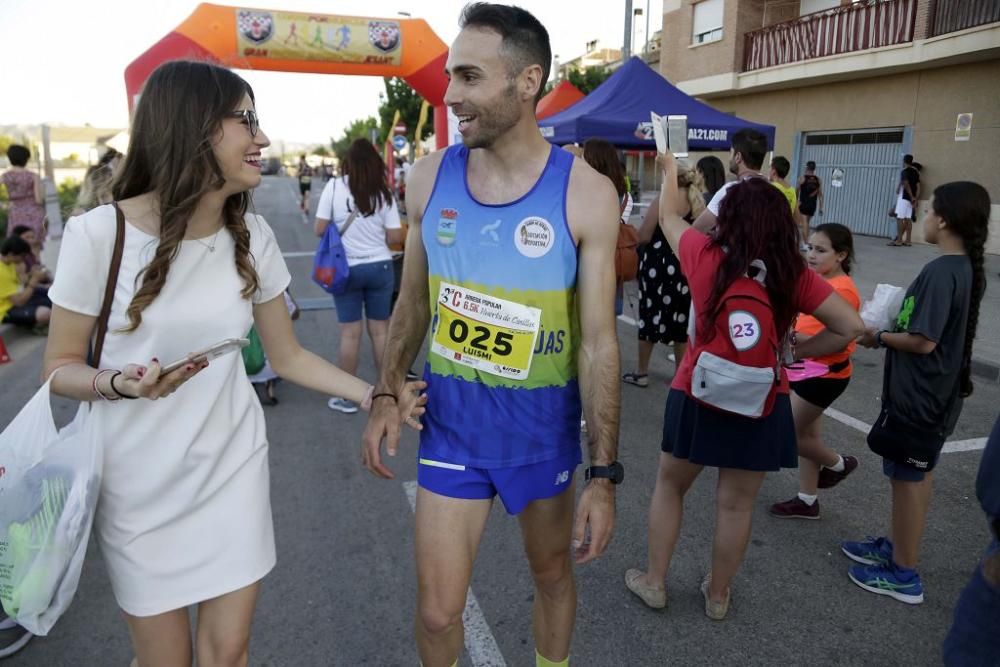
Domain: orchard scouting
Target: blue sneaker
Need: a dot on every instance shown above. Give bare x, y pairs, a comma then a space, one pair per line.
897, 582
873, 551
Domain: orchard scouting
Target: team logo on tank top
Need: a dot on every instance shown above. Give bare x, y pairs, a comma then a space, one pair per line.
447, 227
534, 237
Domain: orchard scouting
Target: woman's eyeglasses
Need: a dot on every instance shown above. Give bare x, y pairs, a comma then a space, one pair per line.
249, 118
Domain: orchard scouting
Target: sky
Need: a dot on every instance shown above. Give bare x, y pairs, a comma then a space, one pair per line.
65, 59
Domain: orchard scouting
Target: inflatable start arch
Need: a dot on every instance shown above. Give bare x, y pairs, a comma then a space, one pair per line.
283, 41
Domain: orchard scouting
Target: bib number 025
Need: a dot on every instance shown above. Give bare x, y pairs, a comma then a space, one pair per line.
485, 332
459, 332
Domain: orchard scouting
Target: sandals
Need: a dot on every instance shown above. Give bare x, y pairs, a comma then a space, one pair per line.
714, 610
635, 582
637, 379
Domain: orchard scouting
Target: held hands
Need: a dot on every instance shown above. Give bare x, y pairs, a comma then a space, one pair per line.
867, 339
138, 381
383, 424
595, 520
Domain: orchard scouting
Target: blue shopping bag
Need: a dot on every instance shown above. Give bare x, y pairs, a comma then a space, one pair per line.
330, 270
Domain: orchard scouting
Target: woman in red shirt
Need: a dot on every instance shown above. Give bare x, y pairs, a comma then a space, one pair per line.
754, 223
816, 386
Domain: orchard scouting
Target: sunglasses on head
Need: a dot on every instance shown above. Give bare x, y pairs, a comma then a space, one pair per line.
249, 118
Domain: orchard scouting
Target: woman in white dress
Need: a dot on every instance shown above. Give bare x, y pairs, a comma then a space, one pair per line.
184, 515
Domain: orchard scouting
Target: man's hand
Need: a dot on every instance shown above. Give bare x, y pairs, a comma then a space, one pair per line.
383, 423
595, 520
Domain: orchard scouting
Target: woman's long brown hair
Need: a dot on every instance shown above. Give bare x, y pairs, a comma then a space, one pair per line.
170, 154
366, 177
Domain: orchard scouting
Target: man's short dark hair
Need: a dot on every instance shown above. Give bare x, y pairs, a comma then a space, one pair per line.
16, 246
752, 145
21, 229
781, 166
18, 155
907, 159
810, 165
525, 41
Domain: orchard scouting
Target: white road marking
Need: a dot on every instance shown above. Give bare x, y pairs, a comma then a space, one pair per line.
479, 640
299, 253
970, 445
848, 420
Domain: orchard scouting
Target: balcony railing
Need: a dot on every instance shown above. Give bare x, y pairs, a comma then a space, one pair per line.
867, 24
951, 15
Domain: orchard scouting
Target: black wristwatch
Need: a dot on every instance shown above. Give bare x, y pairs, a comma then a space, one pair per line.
878, 337
614, 472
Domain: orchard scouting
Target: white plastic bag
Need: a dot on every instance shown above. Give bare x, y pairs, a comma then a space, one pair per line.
49, 484
881, 310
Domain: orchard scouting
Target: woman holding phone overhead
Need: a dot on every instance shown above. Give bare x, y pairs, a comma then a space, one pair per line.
186, 451
706, 422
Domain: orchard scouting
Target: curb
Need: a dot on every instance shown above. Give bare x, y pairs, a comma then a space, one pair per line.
987, 370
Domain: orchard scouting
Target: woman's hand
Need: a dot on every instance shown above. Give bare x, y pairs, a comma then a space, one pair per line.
867, 339
412, 404
147, 381
666, 162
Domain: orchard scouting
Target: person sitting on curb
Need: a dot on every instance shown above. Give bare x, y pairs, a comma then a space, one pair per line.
22, 302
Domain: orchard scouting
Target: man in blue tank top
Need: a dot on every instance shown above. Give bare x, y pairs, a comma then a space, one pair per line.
510, 264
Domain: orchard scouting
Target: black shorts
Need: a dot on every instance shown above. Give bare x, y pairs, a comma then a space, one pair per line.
24, 316
304, 187
821, 391
807, 208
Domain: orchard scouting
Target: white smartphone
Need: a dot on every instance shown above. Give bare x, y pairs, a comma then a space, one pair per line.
677, 135
210, 352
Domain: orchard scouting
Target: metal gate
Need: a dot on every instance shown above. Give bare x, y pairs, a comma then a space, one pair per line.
866, 164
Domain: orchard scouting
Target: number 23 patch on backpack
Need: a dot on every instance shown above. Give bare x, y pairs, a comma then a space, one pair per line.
744, 330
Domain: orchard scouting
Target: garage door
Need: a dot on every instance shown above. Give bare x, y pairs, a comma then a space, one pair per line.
865, 164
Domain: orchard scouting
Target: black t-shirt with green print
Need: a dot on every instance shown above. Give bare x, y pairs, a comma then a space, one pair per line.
923, 388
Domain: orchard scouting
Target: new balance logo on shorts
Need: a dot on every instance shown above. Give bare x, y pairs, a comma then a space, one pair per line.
562, 477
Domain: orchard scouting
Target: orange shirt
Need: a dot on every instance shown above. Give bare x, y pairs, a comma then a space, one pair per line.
810, 326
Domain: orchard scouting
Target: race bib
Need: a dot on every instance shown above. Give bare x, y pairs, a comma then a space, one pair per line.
484, 332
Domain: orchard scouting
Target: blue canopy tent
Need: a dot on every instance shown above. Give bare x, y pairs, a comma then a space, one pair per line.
618, 111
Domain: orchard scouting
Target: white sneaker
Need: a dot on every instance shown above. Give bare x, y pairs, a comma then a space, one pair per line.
342, 405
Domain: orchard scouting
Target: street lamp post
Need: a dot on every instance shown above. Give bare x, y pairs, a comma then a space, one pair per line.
636, 12
645, 44
627, 44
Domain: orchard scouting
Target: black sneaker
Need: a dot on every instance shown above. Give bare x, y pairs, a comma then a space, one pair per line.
12, 637
830, 478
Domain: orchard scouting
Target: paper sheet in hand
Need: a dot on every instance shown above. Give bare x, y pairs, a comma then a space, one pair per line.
659, 131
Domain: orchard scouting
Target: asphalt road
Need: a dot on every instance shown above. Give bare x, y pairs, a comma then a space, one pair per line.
343, 591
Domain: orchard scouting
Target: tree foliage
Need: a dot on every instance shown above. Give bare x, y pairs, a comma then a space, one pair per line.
358, 129
589, 78
399, 96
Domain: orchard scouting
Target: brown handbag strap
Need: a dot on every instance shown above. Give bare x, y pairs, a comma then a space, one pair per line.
109, 288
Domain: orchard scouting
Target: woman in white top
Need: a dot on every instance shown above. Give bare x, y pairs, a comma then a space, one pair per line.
362, 196
184, 515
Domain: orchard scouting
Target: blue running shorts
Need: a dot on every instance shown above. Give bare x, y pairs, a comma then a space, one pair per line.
517, 486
